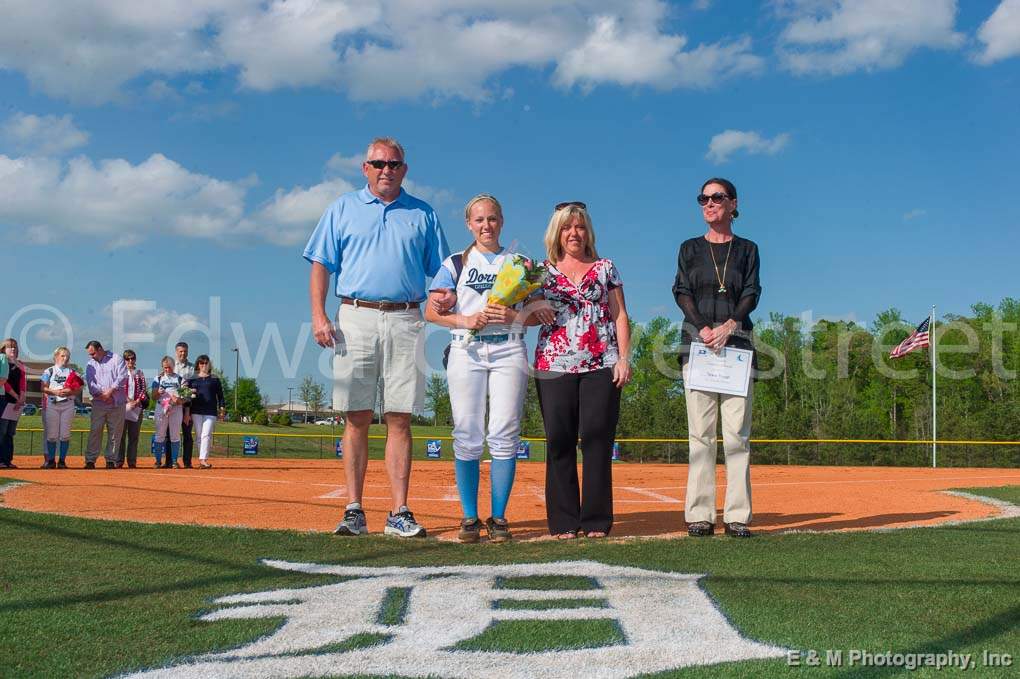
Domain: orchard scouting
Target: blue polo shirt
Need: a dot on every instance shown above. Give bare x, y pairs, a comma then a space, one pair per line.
378, 251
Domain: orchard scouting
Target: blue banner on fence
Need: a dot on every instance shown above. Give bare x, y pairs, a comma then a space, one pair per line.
616, 451
433, 448
339, 448
524, 450
251, 445
157, 446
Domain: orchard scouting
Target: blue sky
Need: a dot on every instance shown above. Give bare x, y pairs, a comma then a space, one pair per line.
153, 158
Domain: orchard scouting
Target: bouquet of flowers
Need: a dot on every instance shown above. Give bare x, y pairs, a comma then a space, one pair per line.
73, 381
517, 278
185, 393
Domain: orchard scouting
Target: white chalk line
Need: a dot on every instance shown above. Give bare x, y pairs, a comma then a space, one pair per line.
662, 499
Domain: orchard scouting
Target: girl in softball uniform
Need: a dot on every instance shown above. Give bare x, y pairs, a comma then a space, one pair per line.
169, 411
490, 368
58, 409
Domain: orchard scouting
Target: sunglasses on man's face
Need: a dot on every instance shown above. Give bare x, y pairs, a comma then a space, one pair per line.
718, 197
572, 203
380, 164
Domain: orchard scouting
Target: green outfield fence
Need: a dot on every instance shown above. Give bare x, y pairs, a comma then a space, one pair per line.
834, 452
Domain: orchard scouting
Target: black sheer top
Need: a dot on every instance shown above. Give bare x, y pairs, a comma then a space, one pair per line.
696, 288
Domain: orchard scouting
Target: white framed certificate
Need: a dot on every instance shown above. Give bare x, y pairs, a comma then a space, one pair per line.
726, 372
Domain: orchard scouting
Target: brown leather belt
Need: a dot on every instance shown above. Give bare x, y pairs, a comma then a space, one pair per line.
380, 306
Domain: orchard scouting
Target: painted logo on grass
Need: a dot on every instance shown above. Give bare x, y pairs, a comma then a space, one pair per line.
559, 620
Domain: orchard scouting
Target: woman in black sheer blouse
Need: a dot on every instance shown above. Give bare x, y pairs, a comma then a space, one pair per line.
717, 286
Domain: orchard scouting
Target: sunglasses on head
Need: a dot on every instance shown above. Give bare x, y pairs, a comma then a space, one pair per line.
572, 203
718, 197
380, 164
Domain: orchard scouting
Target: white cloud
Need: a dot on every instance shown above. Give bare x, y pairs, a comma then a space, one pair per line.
841, 36
87, 50
44, 135
725, 144
914, 214
289, 216
345, 166
373, 49
160, 90
118, 204
612, 53
115, 202
145, 316
1000, 33
290, 43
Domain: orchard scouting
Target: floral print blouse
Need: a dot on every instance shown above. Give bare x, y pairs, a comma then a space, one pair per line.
583, 338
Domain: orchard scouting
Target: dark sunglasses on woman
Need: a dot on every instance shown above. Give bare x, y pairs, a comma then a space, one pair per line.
718, 197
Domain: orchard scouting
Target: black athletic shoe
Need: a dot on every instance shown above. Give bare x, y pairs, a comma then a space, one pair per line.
700, 529
738, 530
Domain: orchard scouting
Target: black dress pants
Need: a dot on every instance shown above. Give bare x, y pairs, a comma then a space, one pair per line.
583, 406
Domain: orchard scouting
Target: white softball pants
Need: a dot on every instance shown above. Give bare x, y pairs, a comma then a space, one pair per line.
480, 372
58, 420
169, 420
203, 429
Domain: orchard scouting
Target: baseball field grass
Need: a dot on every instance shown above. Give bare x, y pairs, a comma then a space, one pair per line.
87, 598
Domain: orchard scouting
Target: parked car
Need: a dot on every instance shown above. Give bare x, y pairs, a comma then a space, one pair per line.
150, 414
83, 410
29, 409
325, 422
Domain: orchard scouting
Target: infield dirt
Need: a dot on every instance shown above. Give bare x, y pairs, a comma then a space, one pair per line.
648, 498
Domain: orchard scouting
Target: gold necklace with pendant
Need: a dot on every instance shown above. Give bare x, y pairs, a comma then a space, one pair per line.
722, 285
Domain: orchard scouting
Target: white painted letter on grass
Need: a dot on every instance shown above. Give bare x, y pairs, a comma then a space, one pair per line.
666, 619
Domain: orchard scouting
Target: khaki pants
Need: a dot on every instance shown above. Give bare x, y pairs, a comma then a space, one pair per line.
703, 410
112, 418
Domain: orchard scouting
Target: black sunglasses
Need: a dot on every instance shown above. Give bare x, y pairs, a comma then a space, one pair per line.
380, 164
718, 197
572, 203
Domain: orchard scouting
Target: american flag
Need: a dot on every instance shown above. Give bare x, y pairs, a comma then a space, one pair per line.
917, 339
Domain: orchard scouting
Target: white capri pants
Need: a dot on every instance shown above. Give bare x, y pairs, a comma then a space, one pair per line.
58, 418
480, 372
172, 420
203, 429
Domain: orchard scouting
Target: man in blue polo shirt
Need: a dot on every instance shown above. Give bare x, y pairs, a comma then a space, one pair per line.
381, 244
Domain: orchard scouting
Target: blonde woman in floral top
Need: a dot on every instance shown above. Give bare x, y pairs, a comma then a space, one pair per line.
581, 366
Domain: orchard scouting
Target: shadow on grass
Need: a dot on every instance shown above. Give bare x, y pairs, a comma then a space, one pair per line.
982, 631
238, 573
661, 522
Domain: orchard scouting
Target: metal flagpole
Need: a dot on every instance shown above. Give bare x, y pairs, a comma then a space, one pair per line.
934, 418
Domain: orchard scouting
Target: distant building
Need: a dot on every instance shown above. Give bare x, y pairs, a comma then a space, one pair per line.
298, 409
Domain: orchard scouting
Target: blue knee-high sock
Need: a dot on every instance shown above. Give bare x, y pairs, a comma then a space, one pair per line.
467, 486
51, 450
175, 448
64, 445
502, 479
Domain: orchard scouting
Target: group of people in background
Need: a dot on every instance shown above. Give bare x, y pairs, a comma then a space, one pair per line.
380, 244
182, 395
